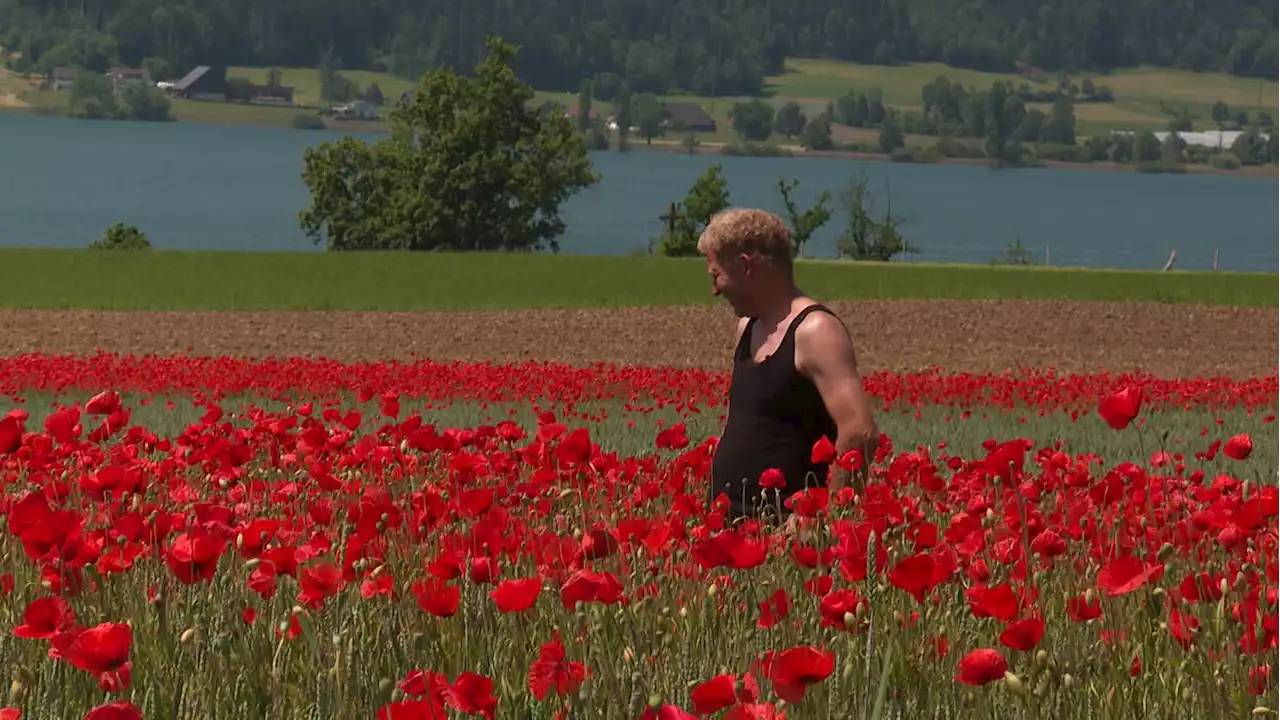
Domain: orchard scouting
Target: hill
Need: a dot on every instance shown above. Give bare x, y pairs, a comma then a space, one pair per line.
658, 46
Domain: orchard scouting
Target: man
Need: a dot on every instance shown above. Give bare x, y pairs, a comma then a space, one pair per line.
795, 375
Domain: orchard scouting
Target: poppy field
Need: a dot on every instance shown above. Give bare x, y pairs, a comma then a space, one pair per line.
215, 537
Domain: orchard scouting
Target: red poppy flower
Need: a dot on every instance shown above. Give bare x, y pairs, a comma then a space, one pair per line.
118, 710
1119, 409
516, 595
1125, 574
1023, 635
793, 671
551, 670
436, 597
982, 666
914, 574
1239, 447
103, 648
714, 695
45, 617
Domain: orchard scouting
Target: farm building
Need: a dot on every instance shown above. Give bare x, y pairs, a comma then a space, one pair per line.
689, 116
122, 76
62, 78
202, 83
1220, 139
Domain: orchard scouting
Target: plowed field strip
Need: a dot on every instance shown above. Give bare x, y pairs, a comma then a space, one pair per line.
1168, 340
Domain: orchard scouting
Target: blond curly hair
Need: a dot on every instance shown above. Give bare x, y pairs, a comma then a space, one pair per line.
747, 230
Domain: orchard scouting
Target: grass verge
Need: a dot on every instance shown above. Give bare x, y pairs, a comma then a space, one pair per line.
172, 280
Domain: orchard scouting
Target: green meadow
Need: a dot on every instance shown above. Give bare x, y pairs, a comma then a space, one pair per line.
173, 280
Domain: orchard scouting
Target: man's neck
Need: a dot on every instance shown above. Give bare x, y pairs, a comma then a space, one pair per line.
776, 306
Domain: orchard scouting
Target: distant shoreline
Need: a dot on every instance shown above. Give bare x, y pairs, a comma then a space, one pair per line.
713, 148
1267, 172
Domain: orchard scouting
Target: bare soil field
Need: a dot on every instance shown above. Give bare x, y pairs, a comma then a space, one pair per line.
1165, 339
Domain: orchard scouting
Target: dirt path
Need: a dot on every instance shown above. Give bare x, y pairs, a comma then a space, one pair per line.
1168, 340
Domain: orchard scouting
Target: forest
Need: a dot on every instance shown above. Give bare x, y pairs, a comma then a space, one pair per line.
706, 47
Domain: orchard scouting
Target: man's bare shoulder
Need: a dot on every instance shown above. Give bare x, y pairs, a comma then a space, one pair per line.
822, 338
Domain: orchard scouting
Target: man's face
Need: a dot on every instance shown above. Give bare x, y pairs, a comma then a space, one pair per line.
729, 280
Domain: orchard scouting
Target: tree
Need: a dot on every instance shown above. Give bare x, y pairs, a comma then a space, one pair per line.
891, 137
334, 87
1250, 148
121, 237
803, 223
1221, 113
865, 237
646, 110
708, 196
584, 106
93, 97
1061, 124
469, 166
861, 111
143, 102
752, 120
817, 134
1146, 146
790, 120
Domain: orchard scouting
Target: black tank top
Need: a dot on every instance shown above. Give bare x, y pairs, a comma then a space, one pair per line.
775, 417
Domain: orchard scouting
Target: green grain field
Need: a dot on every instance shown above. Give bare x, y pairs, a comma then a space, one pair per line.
1143, 94
172, 280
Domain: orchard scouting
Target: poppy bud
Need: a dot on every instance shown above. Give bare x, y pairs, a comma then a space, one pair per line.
1222, 586
1090, 596
252, 564
655, 701
187, 636
1042, 657
1014, 683
1068, 681
385, 685
850, 619
713, 590
1260, 710
1164, 552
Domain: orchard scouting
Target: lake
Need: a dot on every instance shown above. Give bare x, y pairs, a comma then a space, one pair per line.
209, 187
